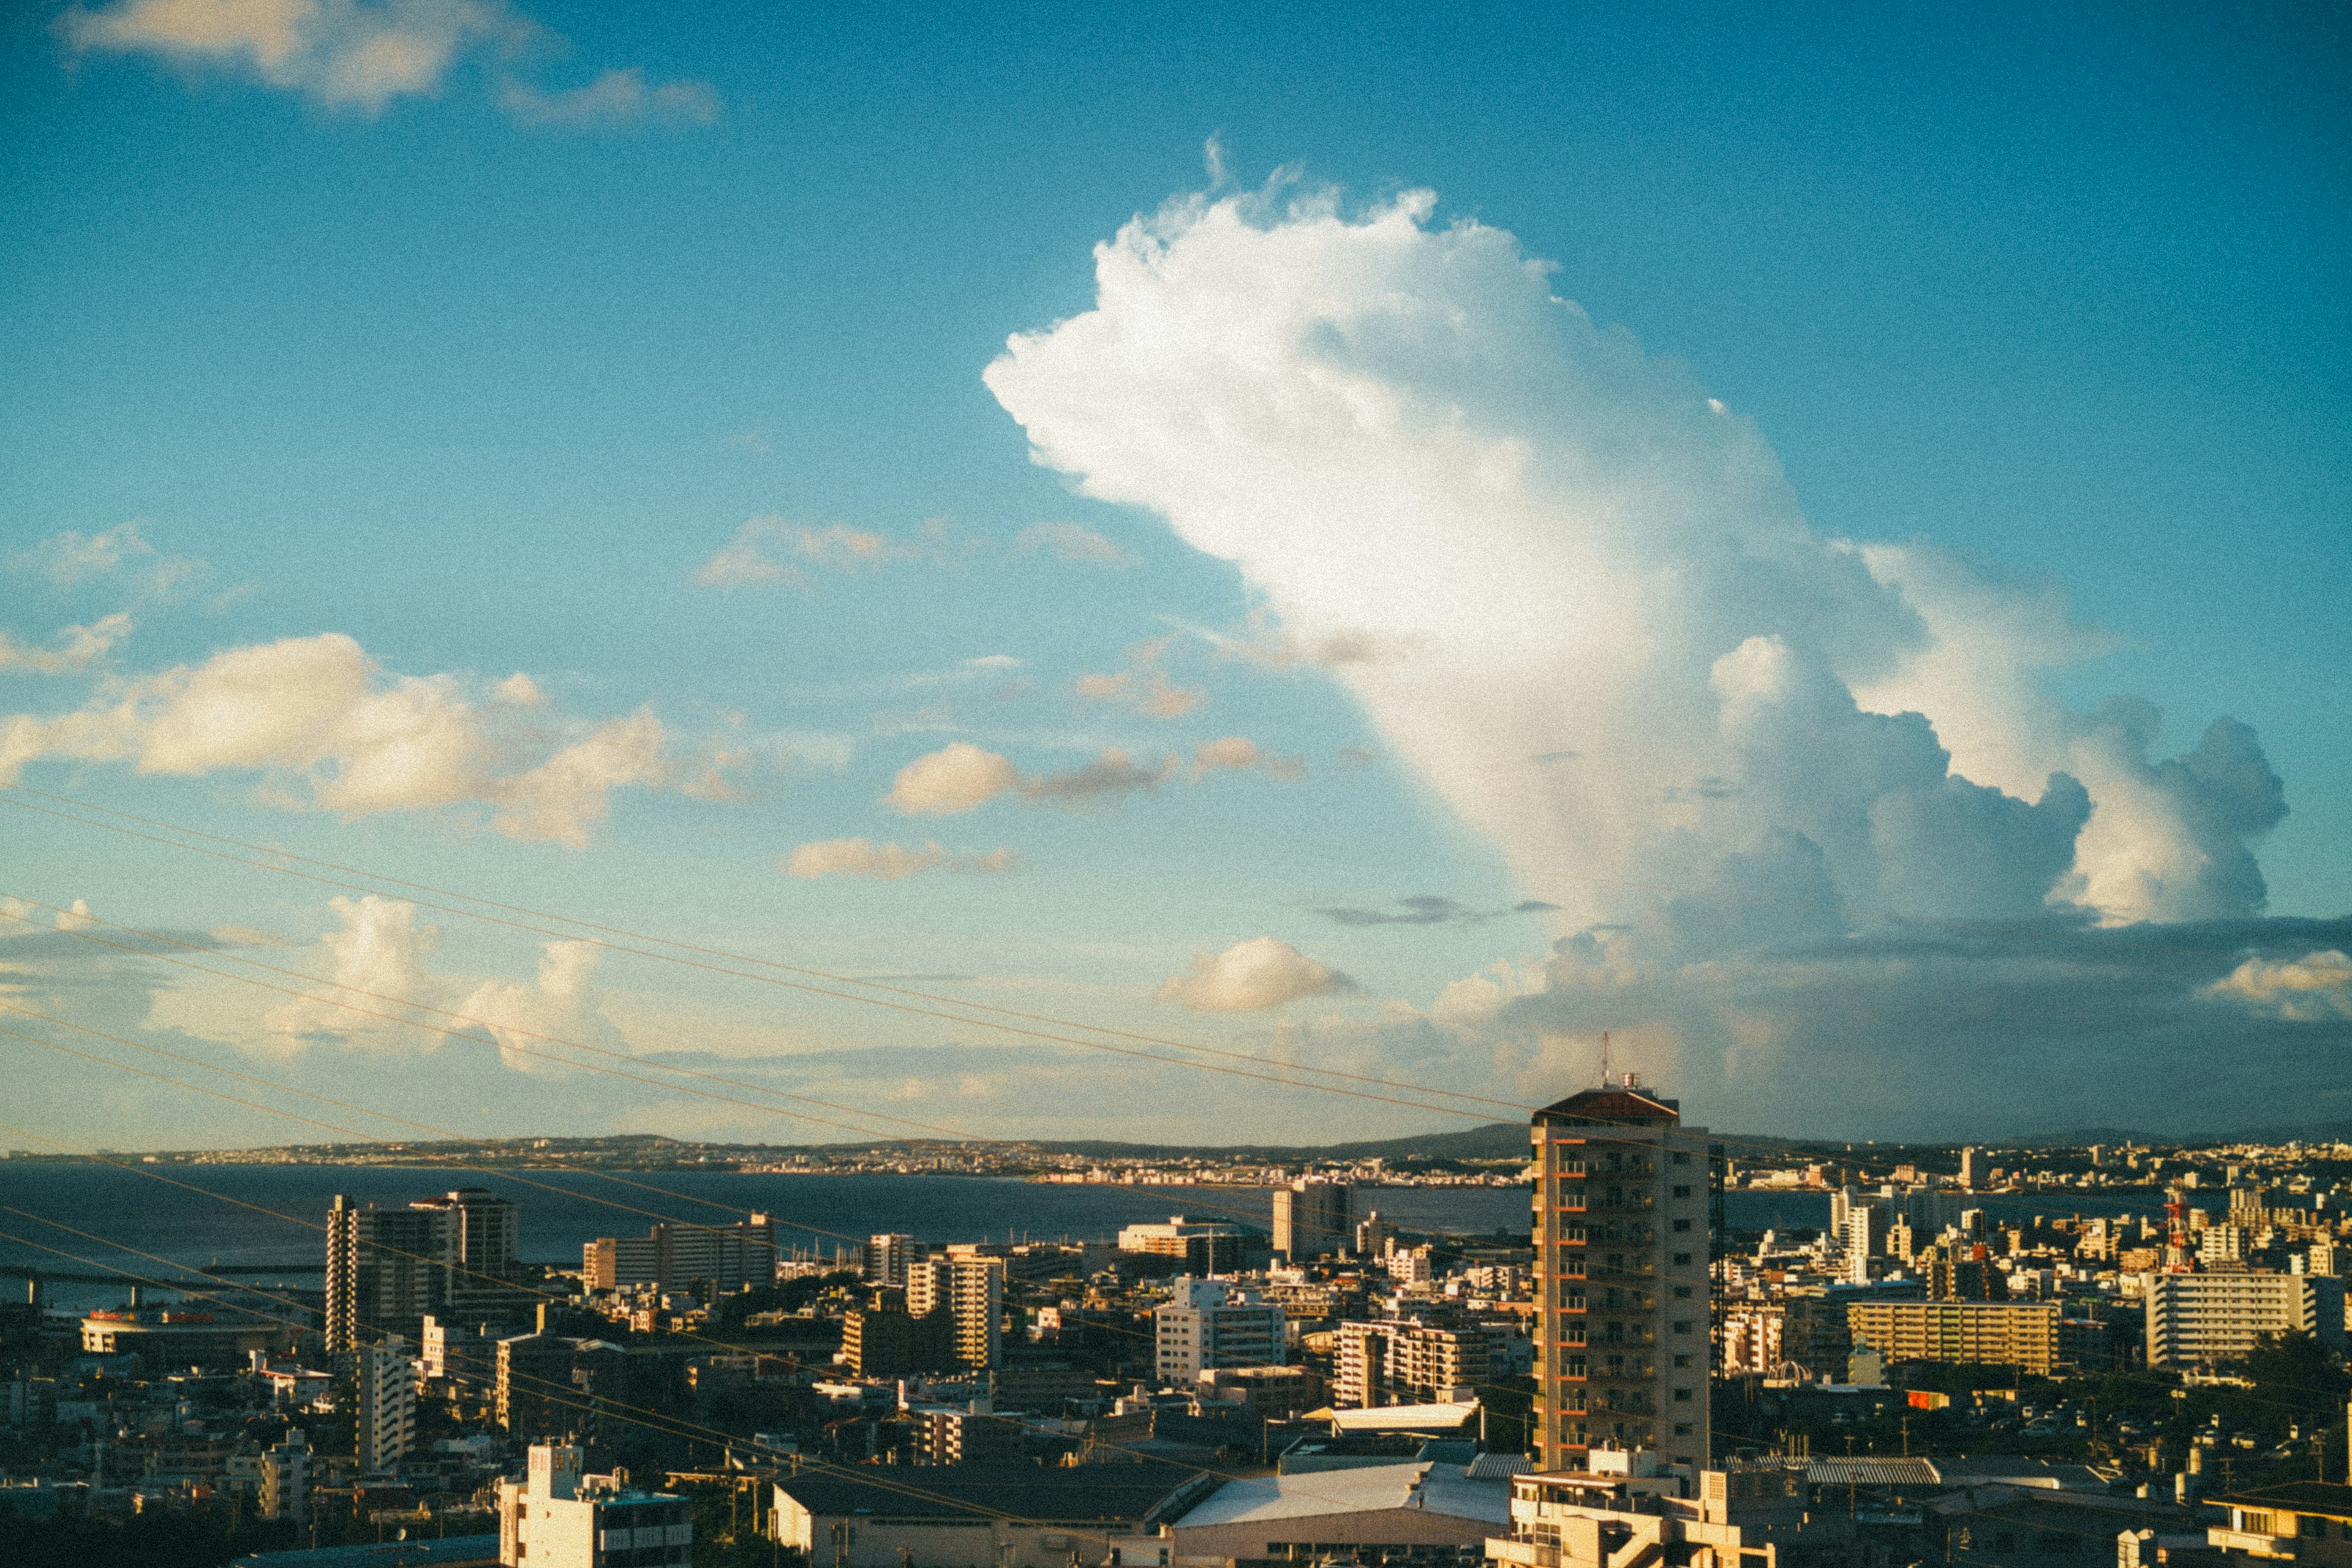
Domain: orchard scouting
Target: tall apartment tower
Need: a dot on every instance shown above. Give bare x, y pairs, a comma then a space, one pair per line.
387, 1268
386, 1413
1311, 1219
1210, 1323
1623, 1205
968, 1293
889, 1256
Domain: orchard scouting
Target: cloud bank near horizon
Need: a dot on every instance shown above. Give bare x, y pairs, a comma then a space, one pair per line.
1582, 602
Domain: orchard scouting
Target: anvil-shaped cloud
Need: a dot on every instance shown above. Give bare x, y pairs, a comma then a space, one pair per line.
1577, 596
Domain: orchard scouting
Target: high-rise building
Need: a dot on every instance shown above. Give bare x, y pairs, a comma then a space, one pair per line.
386, 1268
889, 1257
885, 1342
969, 1292
386, 1413
1864, 1235
2022, 1334
1621, 1234
673, 1256
1312, 1218
1209, 1323
1972, 1168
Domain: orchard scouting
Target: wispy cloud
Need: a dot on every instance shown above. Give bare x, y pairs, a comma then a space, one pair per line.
72, 651
862, 857
1430, 909
771, 551
619, 97
1072, 544
1143, 687
360, 57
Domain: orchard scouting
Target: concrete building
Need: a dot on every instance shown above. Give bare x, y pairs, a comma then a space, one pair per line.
1389, 1362
1415, 1511
557, 1518
1312, 1219
387, 1268
975, 1516
174, 1340
1270, 1392
968, 1293
462, 1354
1207, 1247
882, 1343
965, 1435
2022, 1334
1631, 1509
890, 1258
1972, 1168
385, 1412
286, 1479
1621, 1237
2300, 1521
1208, 1323
673, 1256
2197, 1320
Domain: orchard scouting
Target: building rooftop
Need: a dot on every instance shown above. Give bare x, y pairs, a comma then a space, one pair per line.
449, 1552
1620, 1107
2302, 1497
1434, 1489
1098, 1494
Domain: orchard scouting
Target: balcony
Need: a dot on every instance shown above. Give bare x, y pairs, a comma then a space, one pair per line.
2277, 1547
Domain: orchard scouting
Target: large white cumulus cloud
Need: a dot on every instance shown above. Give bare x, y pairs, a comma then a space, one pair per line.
1540, 544
1577, 596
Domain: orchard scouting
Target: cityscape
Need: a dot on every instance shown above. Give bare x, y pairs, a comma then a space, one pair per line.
1227, 785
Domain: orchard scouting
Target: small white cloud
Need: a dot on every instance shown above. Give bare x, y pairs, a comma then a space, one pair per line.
1253, 976
519, 690
768, 550
2316, 985
535, 1024
1072, 544
1112, 775
1143, 687
345, 54
957, 778
77, 918
885, 862
72, 651
616, 99
1239, 753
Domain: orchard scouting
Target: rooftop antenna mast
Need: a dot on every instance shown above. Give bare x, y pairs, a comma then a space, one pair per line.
1604, 1058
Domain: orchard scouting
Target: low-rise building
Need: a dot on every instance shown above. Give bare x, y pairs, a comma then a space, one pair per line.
558, 1518
1629, 1508
1417, 1511
2022, 1334
975, 1516
1209, 1323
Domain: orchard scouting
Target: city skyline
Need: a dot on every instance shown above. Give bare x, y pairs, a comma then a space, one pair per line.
1393, 572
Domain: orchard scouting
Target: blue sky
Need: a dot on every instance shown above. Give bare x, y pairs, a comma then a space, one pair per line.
480, 357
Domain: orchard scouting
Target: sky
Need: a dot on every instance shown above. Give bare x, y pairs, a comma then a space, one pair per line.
1812, 540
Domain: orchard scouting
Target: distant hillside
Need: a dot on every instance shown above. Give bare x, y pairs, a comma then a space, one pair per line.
1495, 1141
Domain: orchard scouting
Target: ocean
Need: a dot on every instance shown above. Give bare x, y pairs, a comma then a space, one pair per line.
194, 1223
200, 1214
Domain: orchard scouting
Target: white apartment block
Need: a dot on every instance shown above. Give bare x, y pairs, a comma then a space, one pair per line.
558, 1518
1206, 1324
2197, 1319
1621, 1205
386, 1411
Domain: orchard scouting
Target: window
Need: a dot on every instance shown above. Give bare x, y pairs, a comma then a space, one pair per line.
1682, 1225
1682, 1395
1681, 1428
2311, 1525
1682, 1159
1682, 1292
1682, 1360
1681, 1191
1682, 1259
1681, 1325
